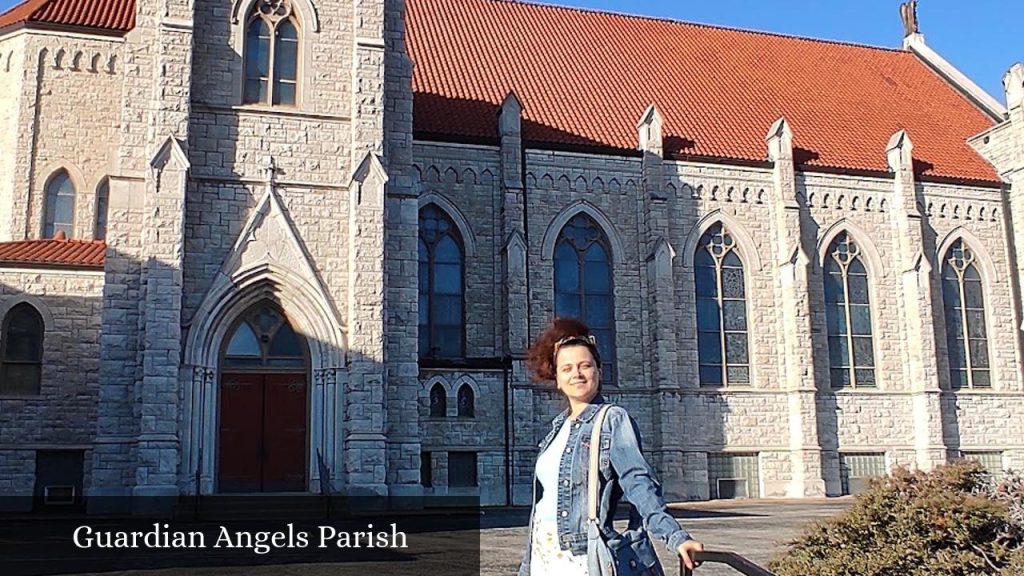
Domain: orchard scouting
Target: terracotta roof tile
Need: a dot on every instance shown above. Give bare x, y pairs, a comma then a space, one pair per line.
585, 77
75, 253
104, 15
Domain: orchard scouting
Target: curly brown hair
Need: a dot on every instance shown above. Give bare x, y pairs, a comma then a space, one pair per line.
540, 358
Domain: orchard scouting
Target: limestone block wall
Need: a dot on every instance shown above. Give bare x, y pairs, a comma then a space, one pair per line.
461, 181
980, 422
483, 434
12, 78
63, 414
681, 427
72, 88
325, 54
976, 215
215, 212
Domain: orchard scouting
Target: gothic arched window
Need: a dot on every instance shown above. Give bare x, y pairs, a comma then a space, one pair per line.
438, 401
848, 315
964, 304
271, 54
21, 351
466, 402
441, 323
724, 359
264, 338
60, 206
102, 206
583, 284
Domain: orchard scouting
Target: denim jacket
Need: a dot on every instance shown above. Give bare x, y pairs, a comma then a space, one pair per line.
623, 473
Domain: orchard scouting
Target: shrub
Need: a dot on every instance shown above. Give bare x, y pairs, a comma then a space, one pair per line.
947, 522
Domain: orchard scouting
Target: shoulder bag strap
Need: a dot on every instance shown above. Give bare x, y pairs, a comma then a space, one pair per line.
595, 449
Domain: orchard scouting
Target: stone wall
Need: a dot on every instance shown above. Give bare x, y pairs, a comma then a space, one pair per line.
63, 414
73, 87
679, 428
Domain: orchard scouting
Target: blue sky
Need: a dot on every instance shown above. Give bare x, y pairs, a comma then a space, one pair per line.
980, 37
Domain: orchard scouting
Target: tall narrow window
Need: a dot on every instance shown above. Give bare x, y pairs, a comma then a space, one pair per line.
848, 315
60, 206
466, 402
21, 351
102, 206
964, 305
583, 284
271, 54
721, 310
442, 323
438, 402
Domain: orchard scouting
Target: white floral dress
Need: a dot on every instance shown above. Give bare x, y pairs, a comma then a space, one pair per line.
546, 557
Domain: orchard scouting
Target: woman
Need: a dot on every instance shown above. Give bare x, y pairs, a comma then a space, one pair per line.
566, 353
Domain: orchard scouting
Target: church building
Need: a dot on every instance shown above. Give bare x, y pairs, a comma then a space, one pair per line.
302, 246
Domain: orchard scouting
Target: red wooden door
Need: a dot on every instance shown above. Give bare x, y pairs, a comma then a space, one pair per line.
284, 433
241, 431
263, 433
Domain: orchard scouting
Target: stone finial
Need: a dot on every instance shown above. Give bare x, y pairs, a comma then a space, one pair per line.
510, 116
1013, 84
650, 130
908, 13
780, 140
899, 151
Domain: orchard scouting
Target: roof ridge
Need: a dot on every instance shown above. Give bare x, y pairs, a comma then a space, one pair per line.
667, 20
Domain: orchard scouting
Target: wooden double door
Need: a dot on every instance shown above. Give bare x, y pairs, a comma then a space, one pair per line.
263, 432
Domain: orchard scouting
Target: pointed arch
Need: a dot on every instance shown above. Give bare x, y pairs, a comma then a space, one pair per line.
22, 336
230, 297
453, 212
60, 200
989, 272
438, 402
966, 312
465, 400
567, 214
850, 317
745, 245
873, 259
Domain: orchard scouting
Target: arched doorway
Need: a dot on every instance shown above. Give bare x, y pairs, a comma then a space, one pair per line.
264, 405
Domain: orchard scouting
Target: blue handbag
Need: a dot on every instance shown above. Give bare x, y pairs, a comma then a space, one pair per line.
626, 554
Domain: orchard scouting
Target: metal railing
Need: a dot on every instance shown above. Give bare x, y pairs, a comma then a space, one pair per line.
735, 561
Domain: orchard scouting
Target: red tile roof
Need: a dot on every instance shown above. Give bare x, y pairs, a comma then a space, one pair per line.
585, 78
99, 15
54, 252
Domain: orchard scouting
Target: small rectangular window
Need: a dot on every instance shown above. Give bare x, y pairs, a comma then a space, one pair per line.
856, 469
991, 460
59, 475
462, 469
426, 470
733, 476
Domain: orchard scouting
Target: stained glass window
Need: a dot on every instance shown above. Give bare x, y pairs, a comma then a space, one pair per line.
964, 305
438, 402
102, 206
723, 357
264, 338
60, 206
848, 315
21, 351
466, 402
441, 322
583, 284
271, 54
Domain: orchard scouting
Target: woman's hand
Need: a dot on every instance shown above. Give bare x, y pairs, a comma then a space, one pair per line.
688, 551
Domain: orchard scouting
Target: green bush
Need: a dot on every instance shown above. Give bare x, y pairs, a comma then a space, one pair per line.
952, 521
